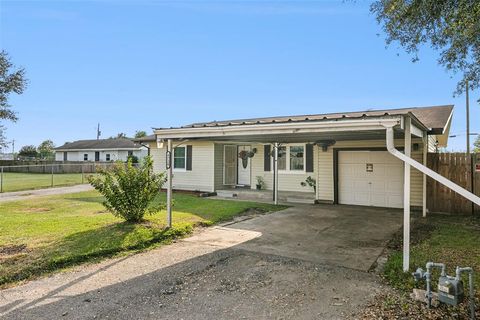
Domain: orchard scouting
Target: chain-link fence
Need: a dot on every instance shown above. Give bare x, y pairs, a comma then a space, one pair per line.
28, 177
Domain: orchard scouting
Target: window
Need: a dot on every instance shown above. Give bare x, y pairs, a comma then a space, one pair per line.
130, 153
107, 157
282, 158
297, 158
179, 158
85, 157
291, 158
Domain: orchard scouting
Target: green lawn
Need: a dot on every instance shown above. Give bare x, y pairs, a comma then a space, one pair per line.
453, 240
41, 235
13, 181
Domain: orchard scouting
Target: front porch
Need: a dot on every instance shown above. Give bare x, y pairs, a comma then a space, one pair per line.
266, 195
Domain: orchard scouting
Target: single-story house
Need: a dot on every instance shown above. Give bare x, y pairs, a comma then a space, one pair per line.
345, 153
369, 158
103, 150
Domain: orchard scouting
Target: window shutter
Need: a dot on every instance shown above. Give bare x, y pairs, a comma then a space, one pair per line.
189, 158
266, 157
309, 158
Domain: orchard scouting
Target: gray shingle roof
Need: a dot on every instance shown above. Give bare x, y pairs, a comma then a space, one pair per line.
434, 117
118, 143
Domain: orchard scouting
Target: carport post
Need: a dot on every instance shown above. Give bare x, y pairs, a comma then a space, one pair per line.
169, 182
275, 173
424, 195
406, 197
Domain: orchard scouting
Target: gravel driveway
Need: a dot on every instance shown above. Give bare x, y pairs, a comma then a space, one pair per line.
216, 274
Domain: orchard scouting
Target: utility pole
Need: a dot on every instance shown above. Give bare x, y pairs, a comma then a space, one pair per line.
98, 131
467, 103
13, 147
470, 156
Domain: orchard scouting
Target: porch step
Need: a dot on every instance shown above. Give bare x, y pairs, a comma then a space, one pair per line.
226, 194
264, 195
299, 200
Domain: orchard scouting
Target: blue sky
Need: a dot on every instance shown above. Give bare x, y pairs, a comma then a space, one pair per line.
134, 65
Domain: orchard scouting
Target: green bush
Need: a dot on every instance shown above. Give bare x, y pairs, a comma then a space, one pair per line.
128, 190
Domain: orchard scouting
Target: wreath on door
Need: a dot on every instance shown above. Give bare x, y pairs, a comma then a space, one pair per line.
244, 155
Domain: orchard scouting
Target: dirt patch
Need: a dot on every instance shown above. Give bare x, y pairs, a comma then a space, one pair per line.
12, 250
36, 210
392, 304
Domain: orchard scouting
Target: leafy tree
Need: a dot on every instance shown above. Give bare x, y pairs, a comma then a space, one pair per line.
121, 135
45, 149
11, 80
29, 151
140, 134
129, 191
476, 145
451, 27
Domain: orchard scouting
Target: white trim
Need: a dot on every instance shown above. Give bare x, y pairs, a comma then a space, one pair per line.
185, 158
100, 150
281, 128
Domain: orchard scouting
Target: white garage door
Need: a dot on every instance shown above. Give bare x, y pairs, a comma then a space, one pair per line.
370, 178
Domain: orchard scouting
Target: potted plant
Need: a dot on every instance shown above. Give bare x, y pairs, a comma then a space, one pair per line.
260, 183
311, 182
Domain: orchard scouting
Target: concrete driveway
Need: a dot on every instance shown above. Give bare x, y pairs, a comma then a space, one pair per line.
346, 236
306, 262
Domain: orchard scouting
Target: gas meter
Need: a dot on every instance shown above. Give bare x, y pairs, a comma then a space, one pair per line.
450, 289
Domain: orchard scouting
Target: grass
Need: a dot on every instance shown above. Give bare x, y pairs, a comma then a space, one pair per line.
42, 235
453, 240
13, 181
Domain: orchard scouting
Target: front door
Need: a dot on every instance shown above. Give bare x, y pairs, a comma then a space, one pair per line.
229, 165
243, 166
97, 156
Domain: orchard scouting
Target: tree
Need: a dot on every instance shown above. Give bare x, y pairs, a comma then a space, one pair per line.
129, 191
121, 135
476, 145
29, 151
45, 149
140, 134
11, 80
451, 27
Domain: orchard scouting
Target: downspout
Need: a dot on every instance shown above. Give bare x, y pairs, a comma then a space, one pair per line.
432, 174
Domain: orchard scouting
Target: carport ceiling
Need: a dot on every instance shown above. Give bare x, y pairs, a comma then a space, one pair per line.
305, 137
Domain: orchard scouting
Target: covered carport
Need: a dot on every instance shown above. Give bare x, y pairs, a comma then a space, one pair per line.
322, 132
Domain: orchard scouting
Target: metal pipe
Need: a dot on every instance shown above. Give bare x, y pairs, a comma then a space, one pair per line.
276, 172
458, 273
169, 183
420, 167
428, 277
406, 195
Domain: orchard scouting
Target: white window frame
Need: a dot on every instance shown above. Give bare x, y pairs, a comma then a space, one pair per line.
108, 157
287, 162
173, 160
85, 154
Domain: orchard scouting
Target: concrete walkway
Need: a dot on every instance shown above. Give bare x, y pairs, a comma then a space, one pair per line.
29, 194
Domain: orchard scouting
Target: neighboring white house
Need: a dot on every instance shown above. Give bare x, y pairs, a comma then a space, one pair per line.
346, 153
102, 150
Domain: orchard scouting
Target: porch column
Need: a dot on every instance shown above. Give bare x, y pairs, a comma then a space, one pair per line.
275, 173
424, 196
406, 198
169, 182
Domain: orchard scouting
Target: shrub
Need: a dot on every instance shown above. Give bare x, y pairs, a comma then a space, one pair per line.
311, 182
128, 190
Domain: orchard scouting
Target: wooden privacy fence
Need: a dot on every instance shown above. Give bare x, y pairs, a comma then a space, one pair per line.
459, 168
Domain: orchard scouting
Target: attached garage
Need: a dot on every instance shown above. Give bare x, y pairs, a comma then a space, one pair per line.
370, 178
